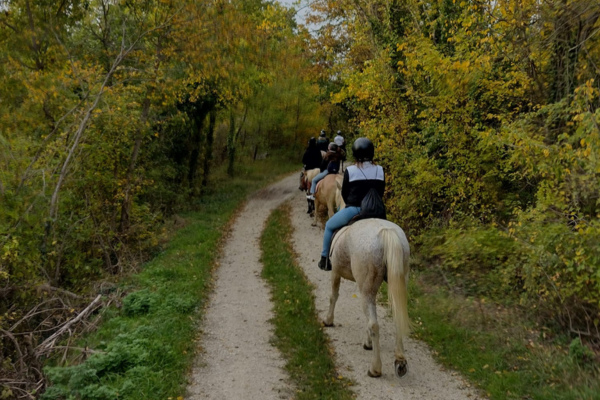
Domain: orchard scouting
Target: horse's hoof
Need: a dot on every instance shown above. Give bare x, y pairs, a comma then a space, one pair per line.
400, 368
367, 347
374, 374
328, 325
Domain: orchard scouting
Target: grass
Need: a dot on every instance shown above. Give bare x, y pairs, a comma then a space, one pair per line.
145, 347
497, 348
298, 333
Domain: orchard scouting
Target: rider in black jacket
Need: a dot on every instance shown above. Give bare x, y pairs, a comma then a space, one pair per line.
312, 156
323, 142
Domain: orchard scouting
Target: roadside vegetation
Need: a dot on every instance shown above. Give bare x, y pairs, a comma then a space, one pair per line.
486, 118
116, 115
500, 349
298, 332
146, 342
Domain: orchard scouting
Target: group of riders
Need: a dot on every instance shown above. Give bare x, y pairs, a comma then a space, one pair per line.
361, 180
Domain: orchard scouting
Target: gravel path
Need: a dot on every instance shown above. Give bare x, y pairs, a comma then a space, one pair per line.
237, 360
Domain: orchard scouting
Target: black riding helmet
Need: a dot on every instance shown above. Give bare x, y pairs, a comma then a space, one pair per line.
363, 150
312, 141
322, 134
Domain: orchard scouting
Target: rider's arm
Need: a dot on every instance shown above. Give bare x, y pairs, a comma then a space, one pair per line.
324, 163
379, 184
345, 186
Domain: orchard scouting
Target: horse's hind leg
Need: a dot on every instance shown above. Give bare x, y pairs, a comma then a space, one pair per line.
331, 207
335, 291
370, 310
400, 364
316, 212
368, 343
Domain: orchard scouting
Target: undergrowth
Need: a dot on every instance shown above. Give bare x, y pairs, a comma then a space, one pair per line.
500, 349
143, 349
298, 333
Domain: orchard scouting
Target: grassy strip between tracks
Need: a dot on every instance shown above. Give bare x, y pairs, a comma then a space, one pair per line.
298, 332
144, 349
499, 349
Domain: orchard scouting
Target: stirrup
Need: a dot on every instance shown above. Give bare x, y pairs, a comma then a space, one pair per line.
325, 265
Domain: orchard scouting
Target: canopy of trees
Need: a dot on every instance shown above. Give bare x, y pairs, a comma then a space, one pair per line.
112, 114
485, 116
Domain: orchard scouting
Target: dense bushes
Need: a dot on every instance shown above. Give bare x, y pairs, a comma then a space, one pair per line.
485, 116
114, 115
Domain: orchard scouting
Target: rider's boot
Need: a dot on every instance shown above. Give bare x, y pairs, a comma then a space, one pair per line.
325, 264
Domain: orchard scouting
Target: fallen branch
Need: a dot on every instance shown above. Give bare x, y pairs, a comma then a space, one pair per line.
84, 350
17, 347
47, 288
50, 341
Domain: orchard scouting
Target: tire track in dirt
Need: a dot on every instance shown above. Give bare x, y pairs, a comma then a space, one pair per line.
236, 360
426, 380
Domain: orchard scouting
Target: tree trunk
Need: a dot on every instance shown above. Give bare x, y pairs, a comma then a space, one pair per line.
195, 153
232, 137
231, 143
126, 205
208, 151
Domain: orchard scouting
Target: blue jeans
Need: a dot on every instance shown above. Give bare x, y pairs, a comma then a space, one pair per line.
339, 219
316, 180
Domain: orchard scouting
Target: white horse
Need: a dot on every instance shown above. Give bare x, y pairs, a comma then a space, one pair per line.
369, 252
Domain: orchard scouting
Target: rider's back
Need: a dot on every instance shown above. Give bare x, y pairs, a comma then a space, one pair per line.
359, 179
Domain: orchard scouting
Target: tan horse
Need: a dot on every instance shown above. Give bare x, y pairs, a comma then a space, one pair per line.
327, 194
369, 252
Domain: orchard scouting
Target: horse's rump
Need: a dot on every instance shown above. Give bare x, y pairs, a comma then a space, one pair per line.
365, 252
326, 195
377, 243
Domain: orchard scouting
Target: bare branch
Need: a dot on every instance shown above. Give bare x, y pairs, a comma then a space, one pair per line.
50, 341
17, 347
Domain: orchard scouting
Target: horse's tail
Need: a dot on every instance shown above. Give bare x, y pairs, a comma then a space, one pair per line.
397, 275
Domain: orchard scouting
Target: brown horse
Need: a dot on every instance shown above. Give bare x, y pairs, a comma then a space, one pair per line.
327, 194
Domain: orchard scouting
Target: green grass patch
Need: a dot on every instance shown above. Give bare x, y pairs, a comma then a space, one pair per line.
499, 349
298, 332
145, 347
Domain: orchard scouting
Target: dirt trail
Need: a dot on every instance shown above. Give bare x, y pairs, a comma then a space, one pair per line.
237, 361
426, 380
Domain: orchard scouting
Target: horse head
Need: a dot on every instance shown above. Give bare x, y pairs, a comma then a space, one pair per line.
303, 184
